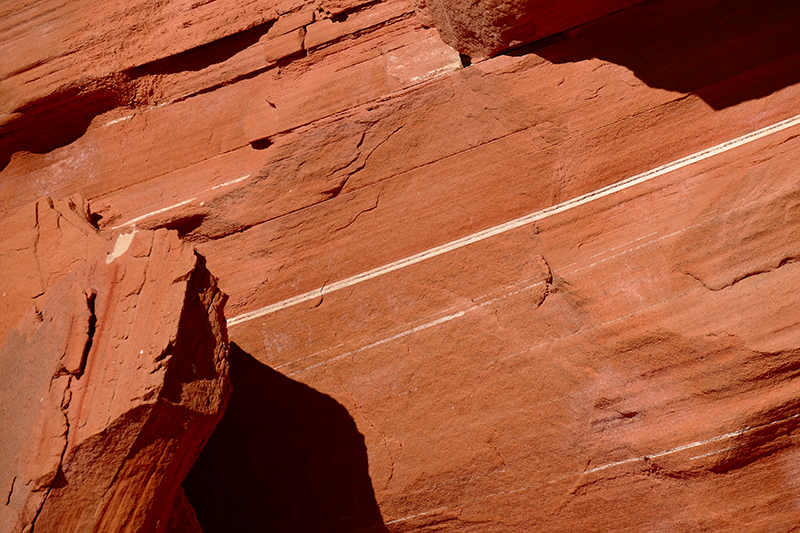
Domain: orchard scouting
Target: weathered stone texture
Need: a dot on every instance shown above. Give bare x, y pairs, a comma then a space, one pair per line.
480, 29
115, 379
619, 359
39, 245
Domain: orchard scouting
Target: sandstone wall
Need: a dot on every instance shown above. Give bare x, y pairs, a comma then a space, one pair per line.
553, 290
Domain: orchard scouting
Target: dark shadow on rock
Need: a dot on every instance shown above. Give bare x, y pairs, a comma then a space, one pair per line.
284, 457
725, 51
55, 121
62, 118
205, 55
763, 433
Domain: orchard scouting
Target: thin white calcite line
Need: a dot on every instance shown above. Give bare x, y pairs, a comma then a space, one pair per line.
435, 73
411, 517
689, 446
519, 222
716, 452
118, 120
229, 183
383, 341
410, 331
157, 212
677, 449
179, 204
414, 329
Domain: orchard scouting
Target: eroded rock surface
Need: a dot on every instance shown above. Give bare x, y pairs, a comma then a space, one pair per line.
437, 354
40, 244
116, 378
482, 29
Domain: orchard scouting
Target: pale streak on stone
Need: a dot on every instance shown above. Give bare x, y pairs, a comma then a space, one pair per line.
410, 331
179, 204
228, 183
384, 341
618, 463
435, 73
157, 212
121, 246
519, 222
423, 319
633, 249
429, 58
605, 252
565, 273
398, 520
715, 452
115, 121
677, 449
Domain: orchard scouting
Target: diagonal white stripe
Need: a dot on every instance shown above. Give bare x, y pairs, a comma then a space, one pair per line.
158, 212
522, 221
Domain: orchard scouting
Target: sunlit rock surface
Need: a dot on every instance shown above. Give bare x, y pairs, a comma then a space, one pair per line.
441, 317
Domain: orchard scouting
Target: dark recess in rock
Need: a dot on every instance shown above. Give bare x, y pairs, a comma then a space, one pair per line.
63, 117
284, 457
205, 55
716, 50
55, 121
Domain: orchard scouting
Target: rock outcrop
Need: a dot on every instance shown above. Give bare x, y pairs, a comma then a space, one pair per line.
113, 382
483, 29
550, 290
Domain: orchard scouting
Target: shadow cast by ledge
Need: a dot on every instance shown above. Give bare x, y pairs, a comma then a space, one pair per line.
204, 55
725, 52
284, 458
62, 118
55, 121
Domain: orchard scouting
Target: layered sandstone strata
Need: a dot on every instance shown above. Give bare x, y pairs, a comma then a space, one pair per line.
551, 290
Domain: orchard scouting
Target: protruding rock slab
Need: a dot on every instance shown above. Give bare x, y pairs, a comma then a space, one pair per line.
112, 384
482, 29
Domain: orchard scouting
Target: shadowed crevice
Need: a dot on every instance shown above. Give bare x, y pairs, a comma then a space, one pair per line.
55, 121
62, 118
726, 52
205, 55
284, 457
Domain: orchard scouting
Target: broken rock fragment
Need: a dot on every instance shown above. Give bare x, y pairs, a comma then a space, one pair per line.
483, 29
112, 384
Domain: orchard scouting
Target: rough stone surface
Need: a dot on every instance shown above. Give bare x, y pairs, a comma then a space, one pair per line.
483, 29
628, 361
40, 244
116, 379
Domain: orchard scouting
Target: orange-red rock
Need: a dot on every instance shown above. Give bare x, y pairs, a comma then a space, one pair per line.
40, 244
116, 378
182, 518
627, 362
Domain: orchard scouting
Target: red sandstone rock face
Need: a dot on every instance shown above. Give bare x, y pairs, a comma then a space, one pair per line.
625, 363
183, 519
117, 377
41, 243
